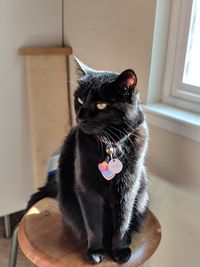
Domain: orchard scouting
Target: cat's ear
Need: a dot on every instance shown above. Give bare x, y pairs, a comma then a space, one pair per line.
128, 79
82, 69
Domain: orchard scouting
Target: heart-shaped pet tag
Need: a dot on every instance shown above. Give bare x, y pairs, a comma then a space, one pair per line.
103, 167
106, 173
108, 177
115, 166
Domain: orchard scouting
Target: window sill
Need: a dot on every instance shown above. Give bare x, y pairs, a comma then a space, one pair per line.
175, 120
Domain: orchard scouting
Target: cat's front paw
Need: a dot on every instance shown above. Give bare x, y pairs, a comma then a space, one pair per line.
121, 255
95, 255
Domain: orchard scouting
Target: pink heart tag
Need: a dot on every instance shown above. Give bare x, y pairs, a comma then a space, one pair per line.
106, 173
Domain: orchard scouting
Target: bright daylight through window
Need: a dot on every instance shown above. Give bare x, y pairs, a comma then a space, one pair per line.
192, 62
182, 76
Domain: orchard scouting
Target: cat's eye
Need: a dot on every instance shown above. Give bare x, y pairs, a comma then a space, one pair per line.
101, 106
80, 101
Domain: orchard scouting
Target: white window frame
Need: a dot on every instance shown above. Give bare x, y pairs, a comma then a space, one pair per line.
175, 92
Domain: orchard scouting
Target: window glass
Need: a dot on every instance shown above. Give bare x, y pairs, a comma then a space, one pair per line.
191, 73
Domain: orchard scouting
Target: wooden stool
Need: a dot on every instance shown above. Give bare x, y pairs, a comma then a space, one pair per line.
43, 240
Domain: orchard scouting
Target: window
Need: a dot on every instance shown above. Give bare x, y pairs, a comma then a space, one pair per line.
192, 67
182, 75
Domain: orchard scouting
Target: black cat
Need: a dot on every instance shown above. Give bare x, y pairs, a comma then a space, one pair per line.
102, 184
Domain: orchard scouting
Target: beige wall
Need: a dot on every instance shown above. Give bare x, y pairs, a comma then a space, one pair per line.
112, 35
22, 23
115, 35
175, 158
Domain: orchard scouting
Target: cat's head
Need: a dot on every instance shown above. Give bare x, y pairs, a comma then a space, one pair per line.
105, 99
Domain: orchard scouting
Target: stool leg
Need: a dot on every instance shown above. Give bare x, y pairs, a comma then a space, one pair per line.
7, 226
13, 249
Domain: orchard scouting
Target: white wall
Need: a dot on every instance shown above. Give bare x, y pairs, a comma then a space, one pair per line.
22, 23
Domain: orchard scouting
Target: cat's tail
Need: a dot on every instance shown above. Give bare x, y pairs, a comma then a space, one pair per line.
48, 190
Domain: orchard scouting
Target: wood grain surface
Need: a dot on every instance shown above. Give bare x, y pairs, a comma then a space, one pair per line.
45, 243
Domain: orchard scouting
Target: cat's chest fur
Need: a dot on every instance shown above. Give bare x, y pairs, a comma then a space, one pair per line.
90, 152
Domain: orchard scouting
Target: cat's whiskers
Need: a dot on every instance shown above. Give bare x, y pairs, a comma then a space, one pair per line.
110, 138
134, 134
115, 142
106, 137
120, 131
127, 148
108, 129
126, 133
130, 126
103, 139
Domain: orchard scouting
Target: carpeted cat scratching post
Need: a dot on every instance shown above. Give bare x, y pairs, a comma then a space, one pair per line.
48, 101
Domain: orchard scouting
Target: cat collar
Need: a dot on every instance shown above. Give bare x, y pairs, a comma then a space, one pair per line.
111, 166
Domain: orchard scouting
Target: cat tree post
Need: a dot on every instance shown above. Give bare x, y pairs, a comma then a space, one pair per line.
48, 101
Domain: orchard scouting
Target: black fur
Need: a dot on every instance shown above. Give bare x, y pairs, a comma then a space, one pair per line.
104, 213
50, 189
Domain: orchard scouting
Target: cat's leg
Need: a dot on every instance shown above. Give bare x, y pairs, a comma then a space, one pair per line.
72, 216
141, 205
67, 197
122, 216
128, 215
92, 210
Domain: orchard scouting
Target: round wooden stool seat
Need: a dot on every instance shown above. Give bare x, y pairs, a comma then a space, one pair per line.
44, 241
